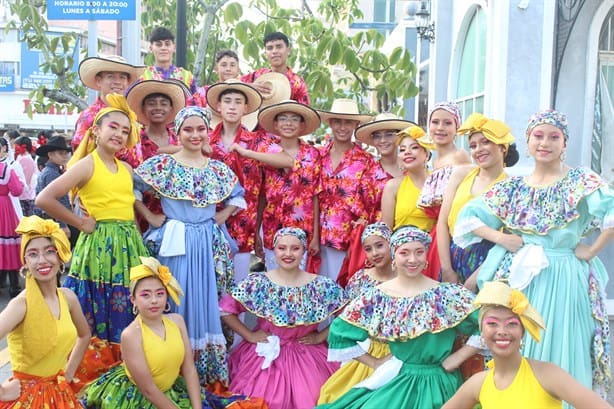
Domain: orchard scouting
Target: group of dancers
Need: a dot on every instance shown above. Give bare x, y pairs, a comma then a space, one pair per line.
434, 226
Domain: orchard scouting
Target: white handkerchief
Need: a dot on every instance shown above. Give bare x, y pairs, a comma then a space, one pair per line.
382, 375
268, 350
528, 262
173, 241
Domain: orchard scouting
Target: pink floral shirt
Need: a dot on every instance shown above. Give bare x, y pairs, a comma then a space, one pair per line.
345, 194
290, 192
242, 225
378, 178
297, 83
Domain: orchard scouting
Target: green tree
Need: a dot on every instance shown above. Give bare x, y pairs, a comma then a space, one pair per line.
319, 47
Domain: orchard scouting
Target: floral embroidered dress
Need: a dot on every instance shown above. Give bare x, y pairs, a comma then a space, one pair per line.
298, 88
344, 194
568, 293
420, 332
353, 371
195, 248
133, 156
241, 226
292, 379
289, 194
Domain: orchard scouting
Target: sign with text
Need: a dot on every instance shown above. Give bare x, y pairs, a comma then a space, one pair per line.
91, 10
7, 82
31, 59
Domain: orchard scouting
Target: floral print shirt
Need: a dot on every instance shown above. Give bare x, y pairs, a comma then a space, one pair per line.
290, 194
241, 226
133, 156
153, 72
344, 197
150, 148
298, 88
377, 178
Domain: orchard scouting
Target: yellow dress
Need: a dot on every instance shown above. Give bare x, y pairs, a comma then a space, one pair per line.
39, 348
164, 356
406, 211
463, 195
524, 392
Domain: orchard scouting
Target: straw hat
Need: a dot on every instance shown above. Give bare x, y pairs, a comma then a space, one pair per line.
344, 108
280, 85
266, 117
254, 100
91, 66
497, 293
384, 121
138, 93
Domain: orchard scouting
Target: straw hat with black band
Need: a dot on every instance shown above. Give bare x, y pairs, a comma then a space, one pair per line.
344, 108
141, 90
382, 122
92, 66
254, 101
311, 119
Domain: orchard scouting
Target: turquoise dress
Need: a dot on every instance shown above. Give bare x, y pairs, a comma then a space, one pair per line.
420, 331
569, 293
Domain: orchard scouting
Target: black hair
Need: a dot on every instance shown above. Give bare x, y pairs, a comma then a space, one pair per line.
47, 133
295, 113
512, 156
225, 53
13, 134
24, 140
232, 91
41, 161
156, 95
276, 35
4, 143
161, 34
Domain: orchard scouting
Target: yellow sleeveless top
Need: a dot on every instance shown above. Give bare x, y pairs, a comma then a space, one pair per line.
108, 195
463, 195
406, 211
524, 392
164, 356
46, 353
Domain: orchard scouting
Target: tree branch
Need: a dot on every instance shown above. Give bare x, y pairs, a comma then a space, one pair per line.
64, 97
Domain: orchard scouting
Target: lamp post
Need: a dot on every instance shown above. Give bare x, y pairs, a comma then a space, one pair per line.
424, 26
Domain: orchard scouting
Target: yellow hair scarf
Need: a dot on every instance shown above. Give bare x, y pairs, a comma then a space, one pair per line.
497, 293
495, 131
117, 103
416, 133
151, 267
33, 227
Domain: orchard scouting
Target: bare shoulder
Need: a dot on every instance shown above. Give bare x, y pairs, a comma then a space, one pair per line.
394, 183
461, 157
70, 296
176, 318
126, 165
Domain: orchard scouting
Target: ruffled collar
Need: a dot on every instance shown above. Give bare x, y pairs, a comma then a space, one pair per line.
390, 318
203, 186
538, 209
289, 306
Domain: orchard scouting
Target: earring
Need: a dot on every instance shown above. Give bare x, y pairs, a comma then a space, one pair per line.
23, 271
62, 268
168, 307
393, 265
526, 152
135, 310
563, 156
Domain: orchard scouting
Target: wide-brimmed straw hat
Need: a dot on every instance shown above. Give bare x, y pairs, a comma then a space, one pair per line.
254, 100
280, 86
344, 108
91, 66
138, 93
266, 117
55, 143
384, 121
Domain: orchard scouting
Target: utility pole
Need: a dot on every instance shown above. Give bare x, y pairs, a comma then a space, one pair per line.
180, 36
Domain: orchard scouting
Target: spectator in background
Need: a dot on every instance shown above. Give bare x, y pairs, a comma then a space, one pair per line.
23, 156
226, 67
277, 49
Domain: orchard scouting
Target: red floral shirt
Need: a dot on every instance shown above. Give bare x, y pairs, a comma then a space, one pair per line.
298, 88
289, 194
133, 156
345, 194
242, 226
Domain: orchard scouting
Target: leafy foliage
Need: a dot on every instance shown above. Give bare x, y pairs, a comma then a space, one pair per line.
334, 61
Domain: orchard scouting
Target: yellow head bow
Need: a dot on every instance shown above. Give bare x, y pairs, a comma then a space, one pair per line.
497, 293
33, 227
495, 131
116, 103
416, 133
152, 268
